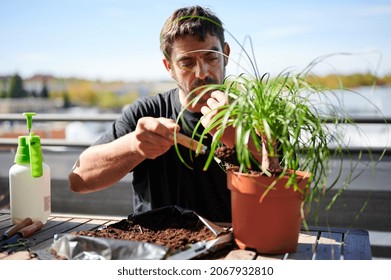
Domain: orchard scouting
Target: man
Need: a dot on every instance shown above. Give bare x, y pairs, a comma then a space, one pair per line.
142, 139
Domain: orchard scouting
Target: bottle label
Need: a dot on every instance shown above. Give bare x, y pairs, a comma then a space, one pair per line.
47, 203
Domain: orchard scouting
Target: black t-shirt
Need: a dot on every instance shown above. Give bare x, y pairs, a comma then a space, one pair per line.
166, 180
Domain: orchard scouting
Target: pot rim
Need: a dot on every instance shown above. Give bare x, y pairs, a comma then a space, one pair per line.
254, 184
303, 174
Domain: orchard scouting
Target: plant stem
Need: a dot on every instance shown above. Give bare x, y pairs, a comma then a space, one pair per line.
270, 160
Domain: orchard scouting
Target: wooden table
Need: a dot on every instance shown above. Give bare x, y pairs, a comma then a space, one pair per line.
315, 244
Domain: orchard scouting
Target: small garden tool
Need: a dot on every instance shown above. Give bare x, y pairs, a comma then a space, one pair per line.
19, 237
10, 232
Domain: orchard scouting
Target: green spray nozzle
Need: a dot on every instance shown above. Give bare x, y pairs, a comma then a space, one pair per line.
29, 119
29, 149
34, 143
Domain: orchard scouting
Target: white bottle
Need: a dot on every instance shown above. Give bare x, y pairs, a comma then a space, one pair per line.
29, 180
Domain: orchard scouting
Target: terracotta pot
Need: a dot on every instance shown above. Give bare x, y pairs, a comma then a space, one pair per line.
269, 224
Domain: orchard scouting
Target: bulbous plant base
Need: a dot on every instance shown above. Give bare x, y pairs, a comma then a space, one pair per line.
269, 225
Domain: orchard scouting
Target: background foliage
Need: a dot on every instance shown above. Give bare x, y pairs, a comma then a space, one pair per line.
115, 95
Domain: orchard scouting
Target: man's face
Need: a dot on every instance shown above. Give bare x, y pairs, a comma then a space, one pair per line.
195, 63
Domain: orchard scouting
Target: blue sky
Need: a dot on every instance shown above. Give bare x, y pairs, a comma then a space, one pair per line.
118, 39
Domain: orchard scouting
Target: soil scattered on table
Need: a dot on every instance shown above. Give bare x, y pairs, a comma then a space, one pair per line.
177, 233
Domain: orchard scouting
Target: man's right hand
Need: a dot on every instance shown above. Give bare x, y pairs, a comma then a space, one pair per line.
101, 166
153, 136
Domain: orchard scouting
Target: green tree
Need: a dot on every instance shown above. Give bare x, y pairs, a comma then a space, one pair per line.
3, 87
44, 91
16, 89
107, 99
67, 100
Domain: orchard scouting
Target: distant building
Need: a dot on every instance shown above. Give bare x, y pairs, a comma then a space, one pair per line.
20, 105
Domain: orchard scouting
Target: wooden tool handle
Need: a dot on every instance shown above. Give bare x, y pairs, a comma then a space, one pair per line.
11, 232
189, 142
29, 230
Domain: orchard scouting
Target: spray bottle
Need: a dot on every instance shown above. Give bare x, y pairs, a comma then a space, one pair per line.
29, 180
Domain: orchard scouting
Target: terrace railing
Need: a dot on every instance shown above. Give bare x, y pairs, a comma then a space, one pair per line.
43, 117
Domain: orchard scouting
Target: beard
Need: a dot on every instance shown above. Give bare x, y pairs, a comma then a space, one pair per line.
198, 83
194, 90
197, 86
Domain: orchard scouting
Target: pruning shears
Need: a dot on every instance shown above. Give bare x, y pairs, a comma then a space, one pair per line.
17, 235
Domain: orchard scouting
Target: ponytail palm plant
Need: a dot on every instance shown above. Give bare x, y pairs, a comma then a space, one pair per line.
282, 118
283, 129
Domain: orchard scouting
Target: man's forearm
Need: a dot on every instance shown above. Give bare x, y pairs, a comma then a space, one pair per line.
101, 166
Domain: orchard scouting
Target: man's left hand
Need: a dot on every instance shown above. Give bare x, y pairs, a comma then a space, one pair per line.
217, 100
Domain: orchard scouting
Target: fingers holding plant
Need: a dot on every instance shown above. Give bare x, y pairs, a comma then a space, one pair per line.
216, 100
215, 103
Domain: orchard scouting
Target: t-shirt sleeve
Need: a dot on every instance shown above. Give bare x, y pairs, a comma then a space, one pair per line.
127, 121
119, 128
